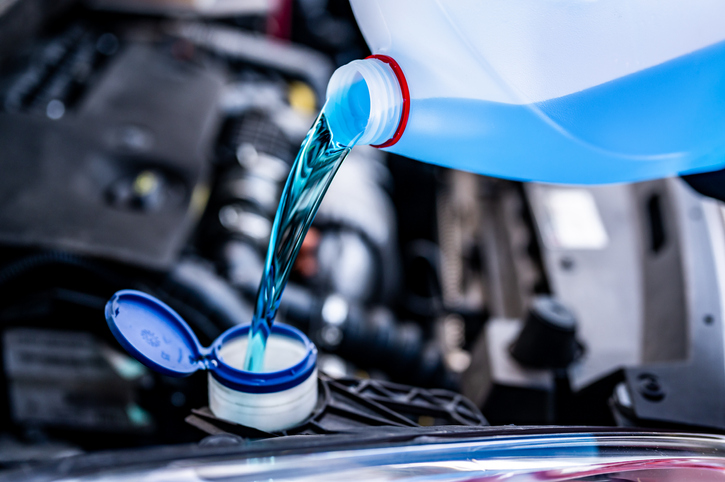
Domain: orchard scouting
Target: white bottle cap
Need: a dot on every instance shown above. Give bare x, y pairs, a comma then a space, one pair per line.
364, 103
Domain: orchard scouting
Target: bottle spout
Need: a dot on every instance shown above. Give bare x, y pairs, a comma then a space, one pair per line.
365, 103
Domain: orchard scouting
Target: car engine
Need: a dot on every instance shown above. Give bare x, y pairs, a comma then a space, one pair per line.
145, 146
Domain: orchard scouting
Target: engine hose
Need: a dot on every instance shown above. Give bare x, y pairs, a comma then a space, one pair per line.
16, 269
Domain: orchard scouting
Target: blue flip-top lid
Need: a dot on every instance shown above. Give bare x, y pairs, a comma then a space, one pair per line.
154, 334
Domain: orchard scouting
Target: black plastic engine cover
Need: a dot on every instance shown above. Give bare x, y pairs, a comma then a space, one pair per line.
150, 120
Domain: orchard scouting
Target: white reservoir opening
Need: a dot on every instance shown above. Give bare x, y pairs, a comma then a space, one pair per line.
282, 352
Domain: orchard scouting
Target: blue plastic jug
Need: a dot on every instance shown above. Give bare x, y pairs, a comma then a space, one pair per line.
567, 91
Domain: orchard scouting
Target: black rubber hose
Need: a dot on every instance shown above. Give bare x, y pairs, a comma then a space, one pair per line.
16, 269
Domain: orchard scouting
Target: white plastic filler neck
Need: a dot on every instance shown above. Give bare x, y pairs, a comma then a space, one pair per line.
255, 402
364, 103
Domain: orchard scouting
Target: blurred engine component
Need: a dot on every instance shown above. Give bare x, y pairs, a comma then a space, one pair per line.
106, 146
358, 223
212, 8
638, 266
236, 45
548, 337
107, 134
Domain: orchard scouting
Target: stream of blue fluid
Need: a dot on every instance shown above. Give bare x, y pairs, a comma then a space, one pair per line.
314, 168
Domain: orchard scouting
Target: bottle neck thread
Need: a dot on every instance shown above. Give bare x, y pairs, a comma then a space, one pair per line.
364, 102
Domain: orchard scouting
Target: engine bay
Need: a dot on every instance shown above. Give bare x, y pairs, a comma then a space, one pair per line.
143, 150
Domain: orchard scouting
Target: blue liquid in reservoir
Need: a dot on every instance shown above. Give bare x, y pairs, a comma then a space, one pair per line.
661, 121
316, 164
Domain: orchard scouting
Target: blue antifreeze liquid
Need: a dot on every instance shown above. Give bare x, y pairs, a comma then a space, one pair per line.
661, 121
316, 164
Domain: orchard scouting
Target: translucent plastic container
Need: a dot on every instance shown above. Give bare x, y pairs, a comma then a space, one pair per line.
570, 91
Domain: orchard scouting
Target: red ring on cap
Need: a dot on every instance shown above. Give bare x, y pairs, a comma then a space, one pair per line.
406, 99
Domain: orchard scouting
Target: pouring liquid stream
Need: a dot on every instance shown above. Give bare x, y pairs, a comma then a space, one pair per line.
314, 168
